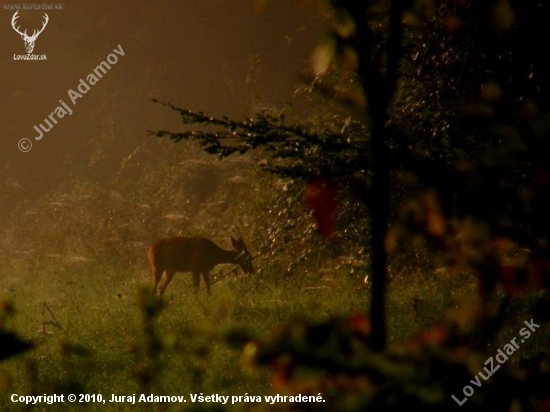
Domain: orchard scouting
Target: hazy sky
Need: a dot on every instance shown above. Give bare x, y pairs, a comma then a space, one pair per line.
193, 53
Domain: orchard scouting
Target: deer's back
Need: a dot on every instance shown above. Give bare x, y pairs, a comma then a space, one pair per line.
183, 254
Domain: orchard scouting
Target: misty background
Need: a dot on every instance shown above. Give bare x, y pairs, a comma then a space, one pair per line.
220, 57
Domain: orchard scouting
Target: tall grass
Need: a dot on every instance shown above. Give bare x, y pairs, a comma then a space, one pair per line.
97, 335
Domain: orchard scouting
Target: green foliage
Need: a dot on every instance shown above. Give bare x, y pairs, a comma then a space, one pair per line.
333, 358
452, 138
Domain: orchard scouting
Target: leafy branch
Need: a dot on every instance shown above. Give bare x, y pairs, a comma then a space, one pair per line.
296, 151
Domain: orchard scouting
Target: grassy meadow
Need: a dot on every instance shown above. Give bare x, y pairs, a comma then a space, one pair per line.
89, 329
93, 336
76, 285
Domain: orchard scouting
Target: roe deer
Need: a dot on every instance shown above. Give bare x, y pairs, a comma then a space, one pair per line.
193, 254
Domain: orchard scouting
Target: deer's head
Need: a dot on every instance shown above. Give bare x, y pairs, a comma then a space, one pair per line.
29, 40
243, 259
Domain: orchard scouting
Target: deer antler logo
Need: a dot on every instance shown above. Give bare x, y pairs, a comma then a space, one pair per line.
29, 40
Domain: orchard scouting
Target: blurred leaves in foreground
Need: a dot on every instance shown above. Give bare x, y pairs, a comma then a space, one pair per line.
10, 343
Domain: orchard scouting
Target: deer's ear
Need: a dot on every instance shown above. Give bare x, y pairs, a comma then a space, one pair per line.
234, 242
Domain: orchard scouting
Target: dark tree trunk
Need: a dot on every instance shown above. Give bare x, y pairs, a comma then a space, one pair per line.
379, 85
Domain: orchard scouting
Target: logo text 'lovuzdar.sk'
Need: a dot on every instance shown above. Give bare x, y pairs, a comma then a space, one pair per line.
83, 87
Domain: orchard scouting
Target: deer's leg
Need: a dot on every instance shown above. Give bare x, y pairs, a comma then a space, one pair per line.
165, 282
196, 281
157, 275
206, 277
